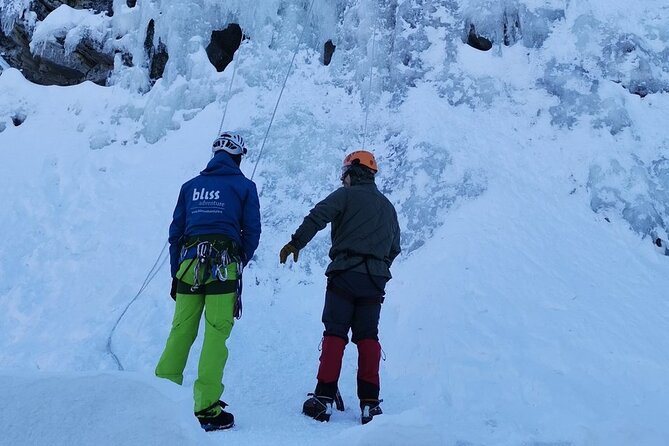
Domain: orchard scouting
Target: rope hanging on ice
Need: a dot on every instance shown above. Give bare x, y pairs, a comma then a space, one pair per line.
369, 90
297, 47
232, 79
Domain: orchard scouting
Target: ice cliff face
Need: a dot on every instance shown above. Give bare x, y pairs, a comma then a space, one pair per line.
598, 66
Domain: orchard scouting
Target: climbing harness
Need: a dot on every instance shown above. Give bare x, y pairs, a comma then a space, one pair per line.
211, 259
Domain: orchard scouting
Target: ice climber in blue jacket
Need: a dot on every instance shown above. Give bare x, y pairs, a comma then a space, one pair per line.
214, 232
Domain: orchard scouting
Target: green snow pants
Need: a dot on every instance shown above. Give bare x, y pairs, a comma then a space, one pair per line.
218, 322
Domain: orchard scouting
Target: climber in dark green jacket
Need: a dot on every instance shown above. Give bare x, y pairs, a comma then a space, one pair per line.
365, 241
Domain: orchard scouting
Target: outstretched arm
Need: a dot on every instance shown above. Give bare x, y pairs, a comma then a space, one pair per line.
322, 214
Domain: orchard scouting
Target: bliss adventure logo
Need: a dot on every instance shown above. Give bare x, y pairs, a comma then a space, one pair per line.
204, 194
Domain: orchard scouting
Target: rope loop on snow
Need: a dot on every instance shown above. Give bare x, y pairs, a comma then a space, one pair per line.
157, 265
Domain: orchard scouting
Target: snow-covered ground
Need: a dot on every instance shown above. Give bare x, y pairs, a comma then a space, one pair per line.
529, 306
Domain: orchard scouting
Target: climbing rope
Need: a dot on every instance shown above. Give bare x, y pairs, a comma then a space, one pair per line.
157, 265
276, 106
369, 90
232, 80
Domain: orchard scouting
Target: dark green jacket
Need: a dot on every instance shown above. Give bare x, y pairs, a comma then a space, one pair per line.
365, 232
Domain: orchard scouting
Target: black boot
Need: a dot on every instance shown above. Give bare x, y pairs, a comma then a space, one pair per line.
318, 407
369, 409
330, 390
214, 418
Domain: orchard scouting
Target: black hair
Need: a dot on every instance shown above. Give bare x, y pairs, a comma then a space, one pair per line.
360, 174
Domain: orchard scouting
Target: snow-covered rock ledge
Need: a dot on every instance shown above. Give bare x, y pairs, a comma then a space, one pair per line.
58, 409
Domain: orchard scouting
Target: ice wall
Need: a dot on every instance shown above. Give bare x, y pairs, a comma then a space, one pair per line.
591, 66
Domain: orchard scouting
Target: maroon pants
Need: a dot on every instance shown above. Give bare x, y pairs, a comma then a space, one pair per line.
352, 302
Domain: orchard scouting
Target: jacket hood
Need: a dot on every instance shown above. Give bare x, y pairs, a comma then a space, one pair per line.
356, 181
221, 164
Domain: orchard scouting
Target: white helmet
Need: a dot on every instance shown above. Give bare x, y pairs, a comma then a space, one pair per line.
230, 142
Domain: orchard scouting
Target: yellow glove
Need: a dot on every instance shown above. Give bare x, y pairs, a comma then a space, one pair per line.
287, 250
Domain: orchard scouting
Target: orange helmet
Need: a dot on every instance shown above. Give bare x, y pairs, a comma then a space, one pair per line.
361, 157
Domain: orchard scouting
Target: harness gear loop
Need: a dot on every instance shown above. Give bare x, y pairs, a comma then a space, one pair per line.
215, 257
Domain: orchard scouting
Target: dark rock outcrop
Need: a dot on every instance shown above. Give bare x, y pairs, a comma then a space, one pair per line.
476, 41
328, 51
156, 53
54, 66
223, 45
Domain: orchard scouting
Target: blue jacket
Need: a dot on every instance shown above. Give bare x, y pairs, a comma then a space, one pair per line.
221, 201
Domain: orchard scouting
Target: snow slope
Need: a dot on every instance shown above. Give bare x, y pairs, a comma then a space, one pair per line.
517, 315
